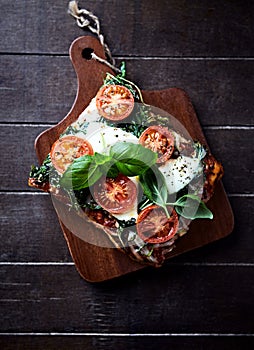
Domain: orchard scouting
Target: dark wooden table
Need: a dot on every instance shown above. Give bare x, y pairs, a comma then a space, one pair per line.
200, 300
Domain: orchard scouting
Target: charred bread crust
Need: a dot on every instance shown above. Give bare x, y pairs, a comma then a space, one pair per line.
213, 172
155, 255
44, 186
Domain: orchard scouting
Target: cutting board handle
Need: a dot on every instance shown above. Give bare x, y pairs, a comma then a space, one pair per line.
90, 75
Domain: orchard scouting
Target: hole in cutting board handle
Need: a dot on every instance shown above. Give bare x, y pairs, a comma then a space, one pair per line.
87, 53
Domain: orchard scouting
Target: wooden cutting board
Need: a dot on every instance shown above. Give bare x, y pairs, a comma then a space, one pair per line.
96, 263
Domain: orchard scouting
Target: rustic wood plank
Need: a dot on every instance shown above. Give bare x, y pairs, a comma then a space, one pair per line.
182, 299
122, 343
36, 88
79, 234
31, 229
215, 299
167, 28
240, 141
19, 140
215, 87
34, 235
228, 145
41, 89
237, 247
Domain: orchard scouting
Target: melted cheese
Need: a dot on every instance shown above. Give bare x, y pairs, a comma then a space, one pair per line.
179, 172
100, 136
89, 114
105, 136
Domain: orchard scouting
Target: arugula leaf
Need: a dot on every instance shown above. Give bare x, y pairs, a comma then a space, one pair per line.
132, 159
120, 80
191, 207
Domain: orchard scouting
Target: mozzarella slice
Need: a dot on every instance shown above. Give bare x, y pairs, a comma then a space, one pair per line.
179, 172
90, 113
101, 137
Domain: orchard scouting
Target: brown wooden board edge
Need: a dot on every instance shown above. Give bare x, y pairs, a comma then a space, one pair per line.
90, 75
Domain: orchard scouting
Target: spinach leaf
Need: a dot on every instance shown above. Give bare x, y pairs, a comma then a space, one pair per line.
41, 173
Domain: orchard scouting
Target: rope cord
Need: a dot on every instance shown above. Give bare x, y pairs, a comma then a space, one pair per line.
86, 19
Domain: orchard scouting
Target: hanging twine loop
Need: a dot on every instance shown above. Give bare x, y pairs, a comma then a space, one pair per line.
86, 19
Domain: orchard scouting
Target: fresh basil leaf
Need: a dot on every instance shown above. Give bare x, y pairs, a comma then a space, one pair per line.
154, 186
132, 159
100, 159
112, 171
181, 202
109, 169
128, 150
82, 173
131, 167
94, 173
106, 165
203, 212
191, 207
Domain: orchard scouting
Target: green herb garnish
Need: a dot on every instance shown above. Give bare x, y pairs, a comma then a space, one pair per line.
132, 159
120, 80
124, 157
189, 206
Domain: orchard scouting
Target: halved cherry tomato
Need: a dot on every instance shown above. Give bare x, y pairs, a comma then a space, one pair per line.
116, 195
153, 225
114, 102
160, 140
65, 150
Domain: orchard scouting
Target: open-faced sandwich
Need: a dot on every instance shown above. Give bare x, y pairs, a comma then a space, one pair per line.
132, 170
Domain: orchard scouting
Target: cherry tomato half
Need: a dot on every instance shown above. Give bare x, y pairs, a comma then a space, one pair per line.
65, 150
153, 225
160, 140
116, 195
114, 102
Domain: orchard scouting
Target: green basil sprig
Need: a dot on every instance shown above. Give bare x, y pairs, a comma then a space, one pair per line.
154, 187
189, 206
132, 159
81, 173
124, 157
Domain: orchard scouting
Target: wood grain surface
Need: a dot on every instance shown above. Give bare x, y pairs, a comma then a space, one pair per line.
89, 249
199, 300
